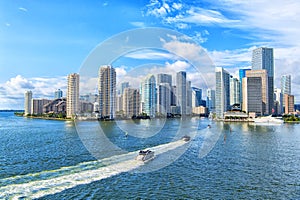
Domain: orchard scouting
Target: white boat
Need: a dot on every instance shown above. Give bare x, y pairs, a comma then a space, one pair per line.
186, 138
268, 120
145, 155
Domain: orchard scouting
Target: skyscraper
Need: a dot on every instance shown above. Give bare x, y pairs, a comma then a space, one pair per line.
222, 92
278, 101
123, 86
131, 101
73, 95
148, 92
285, 87
211, 98
262, 58
242, 74
181, 92
164, 93
164, 78
58, 94
196, 97
289, 104
252, 98
262, 74
188, 97
107, 91
27, 102
234, 91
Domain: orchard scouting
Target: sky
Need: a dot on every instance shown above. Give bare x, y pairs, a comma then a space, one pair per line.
41, 42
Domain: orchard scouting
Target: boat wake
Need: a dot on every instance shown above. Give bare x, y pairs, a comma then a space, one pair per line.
44, 183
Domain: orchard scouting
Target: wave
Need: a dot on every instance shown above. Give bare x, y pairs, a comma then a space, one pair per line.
44, 183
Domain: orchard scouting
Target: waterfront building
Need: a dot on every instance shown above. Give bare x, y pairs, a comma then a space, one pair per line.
131, 102
262, 58
242, 74
289, 104
27, 102
189, 98
107, 91
200, 110
196, 97
262, 74
210, 100
56, 106
222, 96
73, 95
278, 101
164, 93
148, 95
252, 95
181, 92
234, 91
123, 86
173, 96
38, 105
58, 94
286, 87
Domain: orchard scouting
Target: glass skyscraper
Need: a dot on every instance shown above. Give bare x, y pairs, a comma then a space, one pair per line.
148, 92
222, 92
181, 92
262, 58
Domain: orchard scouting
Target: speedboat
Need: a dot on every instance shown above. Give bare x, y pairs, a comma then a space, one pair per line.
145, 155
186, 138
268, 120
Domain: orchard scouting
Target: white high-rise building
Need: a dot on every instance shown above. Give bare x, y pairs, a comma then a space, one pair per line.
234, 91
286, 87
28, 102
107, 92
278, 101
181, 92
252, 95
262, 58
222, 92
148, 96
164, 93
131, 101
73, 95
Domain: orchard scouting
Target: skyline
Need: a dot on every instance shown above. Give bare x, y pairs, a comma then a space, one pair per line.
42, 42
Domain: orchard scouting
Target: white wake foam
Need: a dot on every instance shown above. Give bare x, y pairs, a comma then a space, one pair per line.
54, 181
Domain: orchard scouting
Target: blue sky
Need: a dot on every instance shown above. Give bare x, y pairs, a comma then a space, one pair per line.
43, 41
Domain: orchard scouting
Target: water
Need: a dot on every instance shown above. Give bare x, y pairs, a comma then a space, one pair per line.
51, 160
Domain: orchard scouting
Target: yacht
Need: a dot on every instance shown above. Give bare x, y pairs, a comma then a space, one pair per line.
186, 138
268, 120
145, 155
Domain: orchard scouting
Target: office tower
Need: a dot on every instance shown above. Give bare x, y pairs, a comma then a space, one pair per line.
58, 94
264, 88
285, 86
234, 91
181, 93
196, 97
131, 102
163, 98
107, 92
278, 101
262, 58
252, 98
289, 104
210, 101
123, 86
242, 74
72, 95
164, 93
222, 92
148, 92
38, 105
173, 96
27, 102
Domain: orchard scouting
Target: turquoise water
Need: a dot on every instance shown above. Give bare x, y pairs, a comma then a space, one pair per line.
58, 160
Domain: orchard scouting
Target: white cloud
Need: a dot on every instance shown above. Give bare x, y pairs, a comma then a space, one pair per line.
138, 24
150, 54
12, 91
23, 9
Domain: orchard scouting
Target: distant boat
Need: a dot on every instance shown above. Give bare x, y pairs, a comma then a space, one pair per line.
145, 155
186, 138
268, 120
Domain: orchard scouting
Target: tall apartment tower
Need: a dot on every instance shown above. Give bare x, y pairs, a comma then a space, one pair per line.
131, 102
181, 92
262, 58
107, 91
289, 104
27, 102
164, 93
286, 87
263, 75
252, 98
210, 100
234, 91
196, 97
222, 92
73, 95
278, 101
148, 96
58, 94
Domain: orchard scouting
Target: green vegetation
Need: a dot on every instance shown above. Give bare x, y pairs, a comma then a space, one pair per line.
20, 114
60, 116
290, 118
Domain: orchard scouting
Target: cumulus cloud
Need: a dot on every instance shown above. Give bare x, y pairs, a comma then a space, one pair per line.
12, 91
23, 9
151, 54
